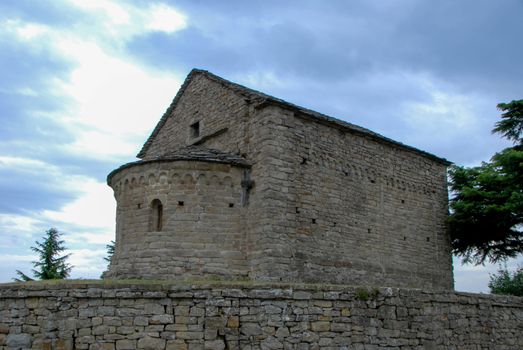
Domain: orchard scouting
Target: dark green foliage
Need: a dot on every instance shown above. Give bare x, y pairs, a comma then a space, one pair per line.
487, 207
511, 123
23, 277
507, 283
49, 265
110, 251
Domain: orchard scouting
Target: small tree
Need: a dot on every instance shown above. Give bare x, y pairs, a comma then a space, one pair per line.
110, 251
49, 265
507, 283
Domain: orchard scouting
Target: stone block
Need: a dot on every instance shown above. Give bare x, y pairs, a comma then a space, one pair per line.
161, 319
217, 344
197, 311
125, 344
141, 321
102, 346
233, 322
18, 340
182, 310
251, 329
320, 326
176, 345
149, 343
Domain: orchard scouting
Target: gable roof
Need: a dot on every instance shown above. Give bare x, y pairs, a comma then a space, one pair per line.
261, 100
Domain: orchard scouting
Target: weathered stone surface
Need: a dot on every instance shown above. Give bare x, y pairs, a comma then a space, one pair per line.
149, 343
14, 340
247, 182
125, 344
233, 322
176, 345
161, 319
214, 345
307, 318
320, 326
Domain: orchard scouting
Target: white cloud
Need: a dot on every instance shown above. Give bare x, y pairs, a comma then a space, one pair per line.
16, 258
165, 19
25, 31
266, 80
19, 224
87, 224
25, 164
114, 12
94, 208
112, 102
87, 263
115, 101
89, 217
122, 19
27, 92
446, 110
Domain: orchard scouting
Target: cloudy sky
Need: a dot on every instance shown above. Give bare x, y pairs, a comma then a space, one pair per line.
83, 83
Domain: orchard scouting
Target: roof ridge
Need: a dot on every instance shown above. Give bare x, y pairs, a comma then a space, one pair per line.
265, 99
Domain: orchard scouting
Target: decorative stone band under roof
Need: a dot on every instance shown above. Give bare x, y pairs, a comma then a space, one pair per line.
190, 153
260, 100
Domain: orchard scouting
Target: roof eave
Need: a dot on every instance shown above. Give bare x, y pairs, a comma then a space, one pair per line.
178, 159
265, 100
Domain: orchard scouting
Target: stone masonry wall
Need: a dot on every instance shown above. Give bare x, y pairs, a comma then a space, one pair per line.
103, 316
227, 123
222, 114
351, 209
328, 204
201, 234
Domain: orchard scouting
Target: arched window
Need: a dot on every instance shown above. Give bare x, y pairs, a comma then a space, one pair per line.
156, 219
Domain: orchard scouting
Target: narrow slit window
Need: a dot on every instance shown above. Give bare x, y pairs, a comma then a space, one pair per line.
156, 215
195, 129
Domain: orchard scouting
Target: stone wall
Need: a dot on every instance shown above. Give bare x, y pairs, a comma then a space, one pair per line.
202, 221
222, 114
330, 202
162, 316
227, 122
349, 208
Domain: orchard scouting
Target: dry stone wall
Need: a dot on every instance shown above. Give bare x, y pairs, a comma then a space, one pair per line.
217, 316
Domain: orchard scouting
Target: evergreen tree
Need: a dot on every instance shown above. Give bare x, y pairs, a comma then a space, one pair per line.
508, 283
49, 265
110, 251
511, 123
486, 218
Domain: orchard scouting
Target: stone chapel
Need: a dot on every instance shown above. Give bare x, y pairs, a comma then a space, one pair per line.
235, 184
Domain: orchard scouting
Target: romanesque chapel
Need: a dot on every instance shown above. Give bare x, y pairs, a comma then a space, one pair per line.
236, 184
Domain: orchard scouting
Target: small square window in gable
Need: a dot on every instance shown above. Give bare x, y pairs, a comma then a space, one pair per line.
195, 129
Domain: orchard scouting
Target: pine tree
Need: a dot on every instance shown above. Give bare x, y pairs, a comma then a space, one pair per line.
110, 251
49, 265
